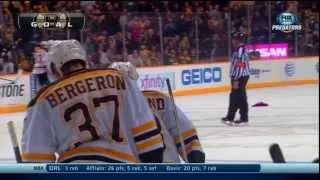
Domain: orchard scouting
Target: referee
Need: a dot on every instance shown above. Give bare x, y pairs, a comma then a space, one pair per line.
239, 75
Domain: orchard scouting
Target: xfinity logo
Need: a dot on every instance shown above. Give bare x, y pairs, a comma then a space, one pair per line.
156, 81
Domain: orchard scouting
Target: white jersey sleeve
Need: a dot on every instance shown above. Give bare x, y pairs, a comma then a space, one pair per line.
126, 69
93, 115
38, 139
163, 107
143, 132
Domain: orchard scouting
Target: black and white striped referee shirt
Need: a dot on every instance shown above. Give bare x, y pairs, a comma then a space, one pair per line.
240, 63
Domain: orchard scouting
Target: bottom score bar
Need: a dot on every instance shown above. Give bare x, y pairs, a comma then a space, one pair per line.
160, 168
152, 168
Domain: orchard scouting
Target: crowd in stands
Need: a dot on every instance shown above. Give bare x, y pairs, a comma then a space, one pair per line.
192, 31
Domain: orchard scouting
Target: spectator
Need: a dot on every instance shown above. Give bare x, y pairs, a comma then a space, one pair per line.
178, 25
135, 58
135, 28
104, 60
170, 57
119, 43
185, 58
145, 55
152, 39
90, 46
184, 43
77, 6
169, 27
93, 60
42, 7
187, 8
7, 66
154, 58
25, 64
194, 56
112, 54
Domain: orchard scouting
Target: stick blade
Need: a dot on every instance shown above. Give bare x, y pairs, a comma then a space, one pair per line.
276, 153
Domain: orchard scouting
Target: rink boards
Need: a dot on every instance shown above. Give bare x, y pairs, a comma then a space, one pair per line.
187, 79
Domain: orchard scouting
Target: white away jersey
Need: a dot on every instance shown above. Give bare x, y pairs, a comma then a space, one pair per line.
163, 108
87, 116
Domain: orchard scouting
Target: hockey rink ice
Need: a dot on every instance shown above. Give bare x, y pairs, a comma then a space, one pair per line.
291, 119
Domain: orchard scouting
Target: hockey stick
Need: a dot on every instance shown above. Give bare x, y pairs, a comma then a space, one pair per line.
184, 153
277, 156
14, 141
276, 153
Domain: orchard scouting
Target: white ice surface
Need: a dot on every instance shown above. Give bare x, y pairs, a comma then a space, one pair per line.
291, 119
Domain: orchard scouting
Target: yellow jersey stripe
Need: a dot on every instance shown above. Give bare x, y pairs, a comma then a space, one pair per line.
98, 150
194, 144
153, 93
37, 156
150, 142
144, 127
186, 134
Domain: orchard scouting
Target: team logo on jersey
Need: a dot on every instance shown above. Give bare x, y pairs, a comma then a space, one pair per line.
317, 67
287, 22
290, 69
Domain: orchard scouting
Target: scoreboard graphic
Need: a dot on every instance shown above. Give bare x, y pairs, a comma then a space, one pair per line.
51, 21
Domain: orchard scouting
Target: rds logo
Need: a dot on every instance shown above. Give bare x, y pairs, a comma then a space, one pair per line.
290, 69
286, 22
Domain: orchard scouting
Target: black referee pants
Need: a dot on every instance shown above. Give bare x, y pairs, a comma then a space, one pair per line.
238, 98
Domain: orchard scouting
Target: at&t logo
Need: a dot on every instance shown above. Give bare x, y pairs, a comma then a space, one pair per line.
290, 69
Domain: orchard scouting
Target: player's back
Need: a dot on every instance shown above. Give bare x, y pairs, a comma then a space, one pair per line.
86, 114
164, 109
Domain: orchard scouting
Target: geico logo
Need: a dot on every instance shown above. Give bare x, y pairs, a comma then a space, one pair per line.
201, 75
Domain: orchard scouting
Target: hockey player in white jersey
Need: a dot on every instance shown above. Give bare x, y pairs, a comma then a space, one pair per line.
163, 109
89, 115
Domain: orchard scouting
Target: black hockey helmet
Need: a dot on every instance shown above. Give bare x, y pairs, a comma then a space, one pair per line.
242, 36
